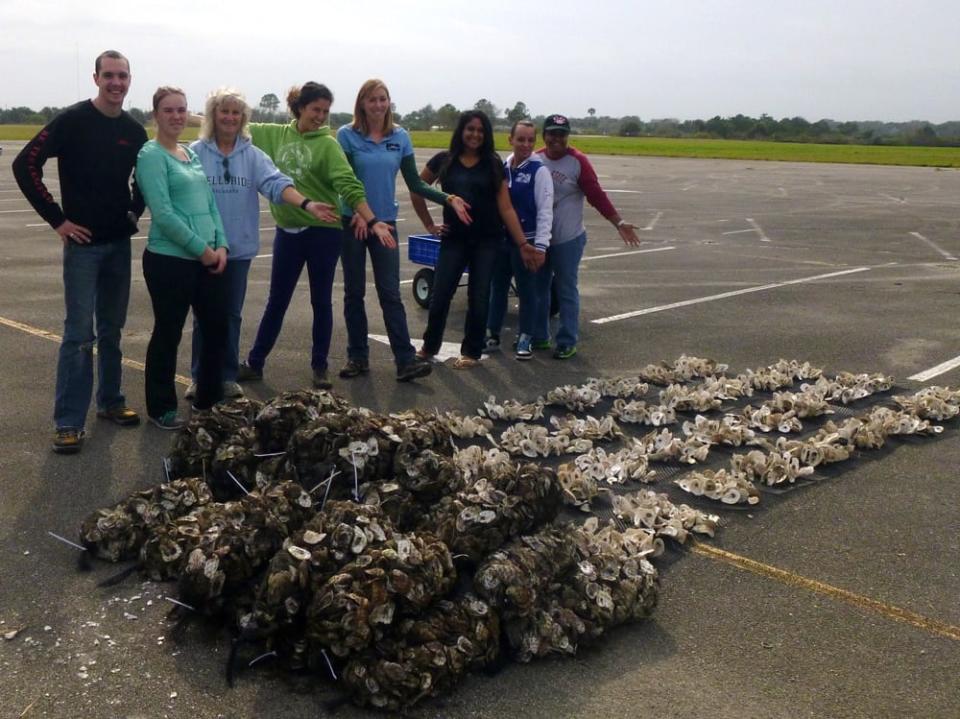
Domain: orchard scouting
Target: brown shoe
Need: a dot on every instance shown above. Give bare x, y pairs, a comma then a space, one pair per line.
67, 440
121, 414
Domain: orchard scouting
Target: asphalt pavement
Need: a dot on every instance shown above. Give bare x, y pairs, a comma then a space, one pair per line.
850, 606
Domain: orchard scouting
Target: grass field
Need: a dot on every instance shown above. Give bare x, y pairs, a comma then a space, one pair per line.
670, 147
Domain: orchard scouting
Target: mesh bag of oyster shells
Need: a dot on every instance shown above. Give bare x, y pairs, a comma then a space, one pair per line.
196, 444
118, 533
425, 655
279, 418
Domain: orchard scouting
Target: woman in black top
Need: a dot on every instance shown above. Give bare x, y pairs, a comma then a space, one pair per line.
471, 169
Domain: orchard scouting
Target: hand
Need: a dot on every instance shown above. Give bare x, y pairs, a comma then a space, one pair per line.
323, 211
221, 254
69, 232
383, 233
532, 259
462, 208
436, 230
359, 227
628, 233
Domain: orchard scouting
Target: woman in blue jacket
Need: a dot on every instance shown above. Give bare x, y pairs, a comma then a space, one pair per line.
238, 173
377, 149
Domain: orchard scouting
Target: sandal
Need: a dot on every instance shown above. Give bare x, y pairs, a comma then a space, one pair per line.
424, 355
464, 362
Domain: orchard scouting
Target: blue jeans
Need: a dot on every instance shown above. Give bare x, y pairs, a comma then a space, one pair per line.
319, 249
96, 284
563, 262
235, 278
456, 253
510, 265
386, 277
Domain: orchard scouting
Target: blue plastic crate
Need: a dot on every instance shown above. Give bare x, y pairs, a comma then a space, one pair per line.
423, 249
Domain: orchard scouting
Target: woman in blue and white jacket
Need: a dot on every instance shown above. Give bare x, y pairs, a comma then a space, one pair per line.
238, 173
531, 192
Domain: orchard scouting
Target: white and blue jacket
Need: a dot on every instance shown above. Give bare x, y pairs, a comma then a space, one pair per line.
531, 192
250, 172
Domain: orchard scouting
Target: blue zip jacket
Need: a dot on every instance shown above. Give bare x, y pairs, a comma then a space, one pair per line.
531, 192
250, 172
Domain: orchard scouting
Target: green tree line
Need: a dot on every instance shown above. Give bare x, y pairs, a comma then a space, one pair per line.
738, 127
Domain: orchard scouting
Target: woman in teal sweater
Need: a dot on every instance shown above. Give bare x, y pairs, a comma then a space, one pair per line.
183, 262
305, 151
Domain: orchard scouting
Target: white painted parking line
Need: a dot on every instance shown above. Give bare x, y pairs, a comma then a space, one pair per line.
725, 295
652, 223
759, 230
935, 246
260, 257
10, 212
940, 369
626, 192
406, 282
736, 232
898, 200
624, 254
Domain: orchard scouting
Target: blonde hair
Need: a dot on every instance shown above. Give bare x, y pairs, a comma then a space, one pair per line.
360, 114
218, 97
162, 92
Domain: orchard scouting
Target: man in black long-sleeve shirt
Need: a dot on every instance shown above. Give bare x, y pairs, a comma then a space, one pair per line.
96, 145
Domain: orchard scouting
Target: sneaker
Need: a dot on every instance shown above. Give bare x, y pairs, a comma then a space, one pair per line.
68, 440
191, 391
492, 344
121, 414
413, 370
232, 390
540, 345
320, 380
564, 352
246, 373
168, 420
524, 351
354, 368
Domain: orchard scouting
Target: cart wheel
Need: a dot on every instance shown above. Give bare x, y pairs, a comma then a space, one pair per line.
423, 287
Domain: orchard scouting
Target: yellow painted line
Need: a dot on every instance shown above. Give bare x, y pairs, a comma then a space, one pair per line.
898, 614
37, 332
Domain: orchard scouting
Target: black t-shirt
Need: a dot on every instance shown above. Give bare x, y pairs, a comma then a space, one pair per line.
475, 186
95, 155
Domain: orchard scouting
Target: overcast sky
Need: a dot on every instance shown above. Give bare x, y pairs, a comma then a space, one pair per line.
842, 59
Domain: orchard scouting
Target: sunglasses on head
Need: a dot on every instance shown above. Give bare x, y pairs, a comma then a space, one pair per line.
226, 169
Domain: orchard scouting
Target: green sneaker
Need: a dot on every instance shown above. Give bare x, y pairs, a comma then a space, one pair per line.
563, 352
541, 344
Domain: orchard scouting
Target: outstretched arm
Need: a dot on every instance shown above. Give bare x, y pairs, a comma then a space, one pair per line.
590, 185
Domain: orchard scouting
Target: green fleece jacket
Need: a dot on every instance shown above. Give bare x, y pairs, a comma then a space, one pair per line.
316, 164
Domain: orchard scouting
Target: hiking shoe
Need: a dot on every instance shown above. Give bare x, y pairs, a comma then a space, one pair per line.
121, 414
232, 390
68, 440
540, 345
413, 370
246, 373
524, 350
320, 379
564, 352
191, 391
492, 344
354, 368
168, 420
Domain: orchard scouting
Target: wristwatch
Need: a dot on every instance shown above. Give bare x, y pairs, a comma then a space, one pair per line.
371, 222
622, 222
306, 201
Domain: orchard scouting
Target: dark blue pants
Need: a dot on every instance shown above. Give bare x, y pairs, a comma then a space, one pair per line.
386, 277
510, 265
456, 254
235, 276
319, 249
177, 285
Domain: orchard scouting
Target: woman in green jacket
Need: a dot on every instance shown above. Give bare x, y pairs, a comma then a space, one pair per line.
306, 151
183, 262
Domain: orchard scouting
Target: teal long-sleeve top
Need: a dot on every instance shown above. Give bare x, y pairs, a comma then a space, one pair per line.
184, 216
